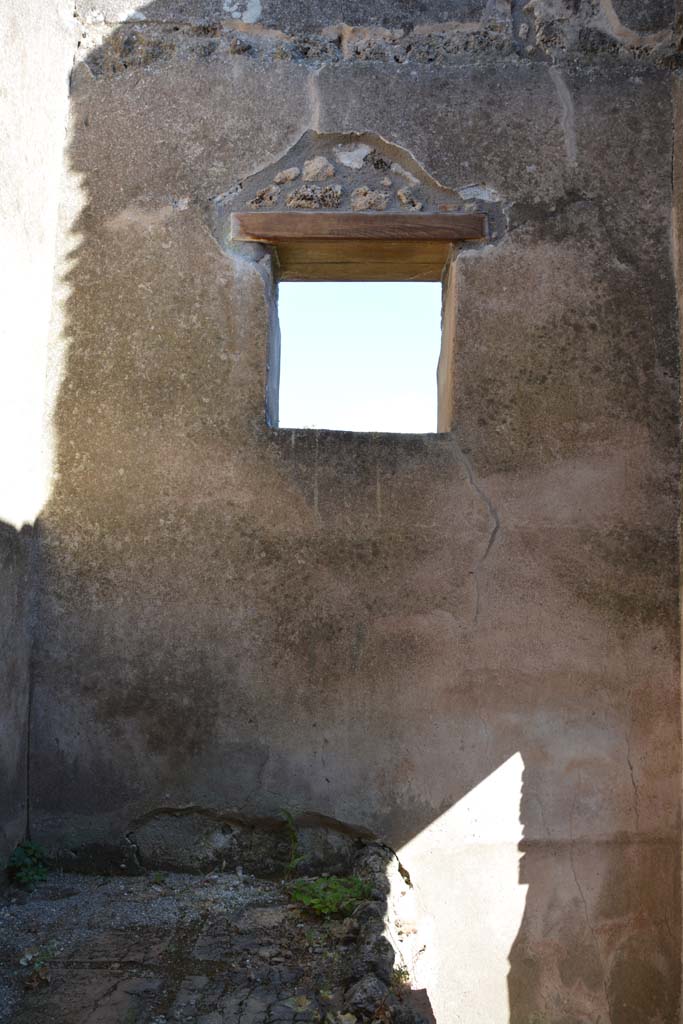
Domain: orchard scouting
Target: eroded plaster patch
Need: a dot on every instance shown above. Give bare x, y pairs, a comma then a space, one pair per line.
352, 172
352, 156
487, 195
248, 11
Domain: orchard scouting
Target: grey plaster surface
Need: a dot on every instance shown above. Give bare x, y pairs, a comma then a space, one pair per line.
645, 17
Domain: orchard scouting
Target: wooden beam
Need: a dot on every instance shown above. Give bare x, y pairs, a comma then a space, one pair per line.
362, 260
324, 246
273, 227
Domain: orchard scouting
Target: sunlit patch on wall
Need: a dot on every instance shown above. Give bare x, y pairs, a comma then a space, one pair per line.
467, 863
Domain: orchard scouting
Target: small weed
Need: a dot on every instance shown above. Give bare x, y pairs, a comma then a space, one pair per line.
295, 857
333, 895
27, 865
400, 979
157, 878
37, 960
39, 957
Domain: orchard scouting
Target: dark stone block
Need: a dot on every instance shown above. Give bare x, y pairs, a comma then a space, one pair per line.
645, 15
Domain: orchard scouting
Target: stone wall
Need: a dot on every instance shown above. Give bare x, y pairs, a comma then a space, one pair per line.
37, 45
465, 643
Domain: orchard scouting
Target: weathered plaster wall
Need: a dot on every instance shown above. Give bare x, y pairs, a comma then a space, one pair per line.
37, 45
467, 643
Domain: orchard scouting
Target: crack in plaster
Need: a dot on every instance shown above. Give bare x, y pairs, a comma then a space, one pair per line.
495, 525
315, 99
636, 794
259, 785
567, 117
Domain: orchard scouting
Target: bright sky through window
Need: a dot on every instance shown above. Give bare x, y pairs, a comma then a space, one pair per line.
359, 356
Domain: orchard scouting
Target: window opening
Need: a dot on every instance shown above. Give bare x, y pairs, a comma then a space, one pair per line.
359, 355
400, 252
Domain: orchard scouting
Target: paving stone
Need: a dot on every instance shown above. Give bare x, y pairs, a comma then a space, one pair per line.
262, 917
89, 997
141, 946
280, 977
130, 997
280, 1013
189, 997
231, 1005
256, 1008
216, 942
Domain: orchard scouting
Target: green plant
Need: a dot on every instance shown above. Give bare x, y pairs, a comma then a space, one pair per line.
27, 865
400, 979
333, 895
295, 857
38, 960
157, 878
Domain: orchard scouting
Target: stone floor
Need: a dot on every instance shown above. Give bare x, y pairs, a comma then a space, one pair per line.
161, 949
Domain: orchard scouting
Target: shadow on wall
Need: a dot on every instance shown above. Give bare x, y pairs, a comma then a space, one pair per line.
15, 556
234, 617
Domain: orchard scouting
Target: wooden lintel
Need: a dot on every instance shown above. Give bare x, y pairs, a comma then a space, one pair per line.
362, 260
273, 227
323, 246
